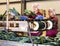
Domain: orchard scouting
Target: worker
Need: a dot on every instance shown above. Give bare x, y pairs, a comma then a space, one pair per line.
52, 16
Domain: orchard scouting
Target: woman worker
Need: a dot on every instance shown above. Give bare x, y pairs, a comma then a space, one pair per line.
53, 17
39, 16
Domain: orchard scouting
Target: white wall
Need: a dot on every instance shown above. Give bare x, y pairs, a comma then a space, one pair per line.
2, 9
43, 5
46, 5
16, 6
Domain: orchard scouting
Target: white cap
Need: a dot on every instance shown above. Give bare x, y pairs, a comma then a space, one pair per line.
53, 10
36, 5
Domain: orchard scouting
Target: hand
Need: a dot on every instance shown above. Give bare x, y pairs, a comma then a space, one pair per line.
43, 34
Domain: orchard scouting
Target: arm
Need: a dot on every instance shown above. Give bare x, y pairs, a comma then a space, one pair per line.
43, 33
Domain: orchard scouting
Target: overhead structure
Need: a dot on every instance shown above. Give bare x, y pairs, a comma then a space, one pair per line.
7, 8
23, 6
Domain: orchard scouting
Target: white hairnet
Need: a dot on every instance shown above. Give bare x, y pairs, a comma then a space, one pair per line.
36, 5
53, 10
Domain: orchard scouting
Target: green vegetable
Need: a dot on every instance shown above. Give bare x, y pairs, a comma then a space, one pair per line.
3, 16
14, 11
29, 12
11, 36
